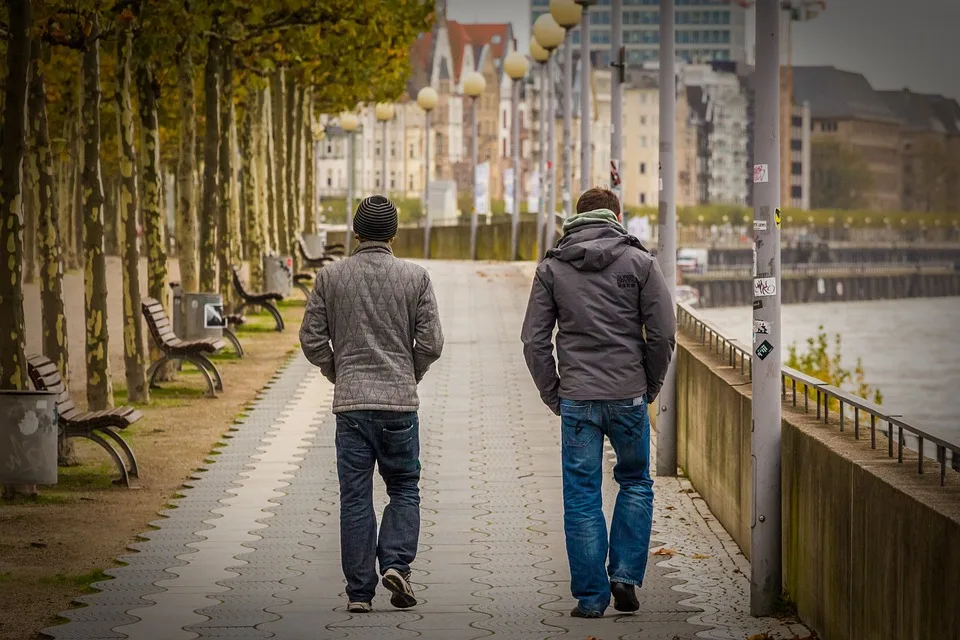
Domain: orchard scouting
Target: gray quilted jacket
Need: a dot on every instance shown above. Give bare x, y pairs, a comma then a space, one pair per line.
372, 327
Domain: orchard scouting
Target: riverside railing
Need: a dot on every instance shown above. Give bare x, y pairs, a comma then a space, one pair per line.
866, 416
851, 268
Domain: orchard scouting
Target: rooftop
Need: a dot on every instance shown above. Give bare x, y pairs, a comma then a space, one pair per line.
840, 95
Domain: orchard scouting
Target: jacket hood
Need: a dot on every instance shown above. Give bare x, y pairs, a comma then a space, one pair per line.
592, 244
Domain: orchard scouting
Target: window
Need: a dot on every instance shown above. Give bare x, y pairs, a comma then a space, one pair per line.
378, 181
796, 145
411, 183
796, 121
643, 198
796, 192
413, 153
643, 120
643, 168
796, 168
329, 177
329, 148
393, 149
393, 180
643, 141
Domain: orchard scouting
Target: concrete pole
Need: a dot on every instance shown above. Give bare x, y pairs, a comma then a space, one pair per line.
426, 186
585, 119
616, 100
667, 233
383, 179
765, 444
473, 157
551, 225
806, 158
515, 221
567, 125
542, 200
350, 187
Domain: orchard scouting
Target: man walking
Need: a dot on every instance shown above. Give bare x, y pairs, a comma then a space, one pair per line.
616, 336
372, 327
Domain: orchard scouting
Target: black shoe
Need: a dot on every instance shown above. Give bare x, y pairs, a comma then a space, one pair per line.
580, 613
399, 585
624, 597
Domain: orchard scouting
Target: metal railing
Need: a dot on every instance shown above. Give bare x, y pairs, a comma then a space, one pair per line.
746, 271
946, 447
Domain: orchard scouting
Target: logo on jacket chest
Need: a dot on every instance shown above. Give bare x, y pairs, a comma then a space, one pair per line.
627, 281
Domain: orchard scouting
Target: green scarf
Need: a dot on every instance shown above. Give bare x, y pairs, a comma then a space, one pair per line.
591, 217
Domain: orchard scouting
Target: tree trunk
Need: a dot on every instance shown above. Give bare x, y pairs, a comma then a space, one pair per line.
280, 169
148, 90
128, 208
76, 185
52, 318
208, 218
186, 192
225, 240
291, 119
309, 166
31, 196
13, 370
99, 382
251, 184
268, 158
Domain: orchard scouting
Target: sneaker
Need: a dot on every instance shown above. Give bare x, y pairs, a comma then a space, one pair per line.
580, 613
399, 585
359, 607
624, 597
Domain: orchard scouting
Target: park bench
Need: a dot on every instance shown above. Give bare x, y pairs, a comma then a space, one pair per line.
302, 281
98, 426
331, 253
174, 349
265, 301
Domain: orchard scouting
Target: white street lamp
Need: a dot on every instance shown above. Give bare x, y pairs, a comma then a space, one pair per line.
541, 56
567, 15
474, 84
586, 120
427, 98
516, 66
549, 35
350, 123
384, 112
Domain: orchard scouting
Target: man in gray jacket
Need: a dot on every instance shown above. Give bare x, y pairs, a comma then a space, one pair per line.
372, 327
617, 327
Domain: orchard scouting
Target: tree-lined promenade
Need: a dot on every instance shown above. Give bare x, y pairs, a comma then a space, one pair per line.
102, 98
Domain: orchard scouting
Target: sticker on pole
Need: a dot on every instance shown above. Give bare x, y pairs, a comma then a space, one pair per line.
761, 327
764, 350
777, 217
759, 225
761, 173
213, 317
764, 287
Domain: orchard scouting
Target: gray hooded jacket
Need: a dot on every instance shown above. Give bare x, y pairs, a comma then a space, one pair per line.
603, 291
380, 315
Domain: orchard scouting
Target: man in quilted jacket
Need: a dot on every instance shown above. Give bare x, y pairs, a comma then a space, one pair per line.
372, 327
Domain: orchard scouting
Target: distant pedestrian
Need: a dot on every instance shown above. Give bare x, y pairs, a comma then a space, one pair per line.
616, 334
372, 327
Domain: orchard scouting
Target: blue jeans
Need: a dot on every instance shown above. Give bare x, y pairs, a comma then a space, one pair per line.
390, 440
584, 425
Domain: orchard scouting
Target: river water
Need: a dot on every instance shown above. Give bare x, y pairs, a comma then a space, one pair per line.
910, 349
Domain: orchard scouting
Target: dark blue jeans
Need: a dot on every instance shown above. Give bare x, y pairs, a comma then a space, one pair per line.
584, 425
391, 441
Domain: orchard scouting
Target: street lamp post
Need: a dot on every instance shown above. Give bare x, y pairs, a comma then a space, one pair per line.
349, 123
586, 146
541, 56
549, 35
427, 98
567, 14
618, 62
384, 112
765, 542
516, 65
667, 233
474, 85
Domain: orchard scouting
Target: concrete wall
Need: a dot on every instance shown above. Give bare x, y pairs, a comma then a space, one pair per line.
871, 549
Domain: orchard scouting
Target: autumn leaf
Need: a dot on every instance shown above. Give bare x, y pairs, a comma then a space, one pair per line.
699, 556
664, 551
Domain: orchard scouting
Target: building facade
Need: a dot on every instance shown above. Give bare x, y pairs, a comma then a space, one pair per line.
705, 29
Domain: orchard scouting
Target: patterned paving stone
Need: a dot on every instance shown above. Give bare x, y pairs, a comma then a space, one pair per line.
252, 549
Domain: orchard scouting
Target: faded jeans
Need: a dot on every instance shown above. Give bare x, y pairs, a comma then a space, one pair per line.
390, 440
584, 425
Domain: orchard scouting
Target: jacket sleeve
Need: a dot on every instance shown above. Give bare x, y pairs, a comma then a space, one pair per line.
428, 334
659, 319
315, 332
537, 338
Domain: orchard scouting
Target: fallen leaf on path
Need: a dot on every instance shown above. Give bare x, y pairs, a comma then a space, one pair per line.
699, 556
663, 551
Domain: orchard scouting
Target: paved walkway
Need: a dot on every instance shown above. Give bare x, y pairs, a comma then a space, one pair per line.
252, 550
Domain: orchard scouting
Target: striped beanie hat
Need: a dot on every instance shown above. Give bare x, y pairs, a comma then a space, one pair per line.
376, 219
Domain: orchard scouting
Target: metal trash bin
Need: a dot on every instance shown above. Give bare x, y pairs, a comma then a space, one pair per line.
198, 316
28, 437
278, 275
